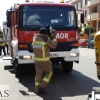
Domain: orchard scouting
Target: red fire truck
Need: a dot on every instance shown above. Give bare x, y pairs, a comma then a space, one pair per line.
25, 20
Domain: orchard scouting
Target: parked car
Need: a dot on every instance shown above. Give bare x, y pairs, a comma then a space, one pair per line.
83, 42
90, 44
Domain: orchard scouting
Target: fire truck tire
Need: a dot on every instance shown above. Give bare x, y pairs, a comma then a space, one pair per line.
18, 71
67, 66
89, 96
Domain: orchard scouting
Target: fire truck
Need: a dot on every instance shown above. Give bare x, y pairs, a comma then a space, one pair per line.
25, 20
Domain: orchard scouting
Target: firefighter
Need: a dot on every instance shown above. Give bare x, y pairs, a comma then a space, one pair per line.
2, 47
41, 48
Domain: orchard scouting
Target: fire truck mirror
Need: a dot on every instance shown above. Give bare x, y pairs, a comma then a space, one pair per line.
76, 17
82, 18
8, 13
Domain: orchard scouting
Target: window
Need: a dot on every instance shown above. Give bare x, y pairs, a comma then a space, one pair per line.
85, 13
32, 16
4, 23
81, 4
85, 2
77, 5
95, 9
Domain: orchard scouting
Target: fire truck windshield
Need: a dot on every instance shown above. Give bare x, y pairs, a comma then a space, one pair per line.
32, 17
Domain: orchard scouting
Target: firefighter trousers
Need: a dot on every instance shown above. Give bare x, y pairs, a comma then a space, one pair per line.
44, 73
2, 48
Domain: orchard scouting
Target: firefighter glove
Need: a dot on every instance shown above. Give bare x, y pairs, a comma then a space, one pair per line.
45, 38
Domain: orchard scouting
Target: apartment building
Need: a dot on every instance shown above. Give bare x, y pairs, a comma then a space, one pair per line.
91, 10
94, 15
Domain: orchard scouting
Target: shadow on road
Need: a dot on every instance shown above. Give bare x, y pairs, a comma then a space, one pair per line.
61, 85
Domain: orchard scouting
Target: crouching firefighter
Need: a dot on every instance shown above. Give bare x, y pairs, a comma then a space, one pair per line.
41, 48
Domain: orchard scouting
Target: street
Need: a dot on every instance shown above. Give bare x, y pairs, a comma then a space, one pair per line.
73, 86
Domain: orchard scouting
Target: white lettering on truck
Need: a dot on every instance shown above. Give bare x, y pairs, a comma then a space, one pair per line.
58, 36
62, 35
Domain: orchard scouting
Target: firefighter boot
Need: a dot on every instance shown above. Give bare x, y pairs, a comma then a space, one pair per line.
42, 90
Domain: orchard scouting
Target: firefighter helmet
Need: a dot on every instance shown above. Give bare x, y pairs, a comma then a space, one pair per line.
43, 31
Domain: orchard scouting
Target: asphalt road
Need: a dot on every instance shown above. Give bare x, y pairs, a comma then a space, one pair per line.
73, 86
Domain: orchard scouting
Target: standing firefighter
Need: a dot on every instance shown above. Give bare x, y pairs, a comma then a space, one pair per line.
97, 52
2, 47
41, 48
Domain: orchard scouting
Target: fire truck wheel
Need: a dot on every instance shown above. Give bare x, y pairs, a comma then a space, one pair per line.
13, 63
89, 96
67, 66
17, 68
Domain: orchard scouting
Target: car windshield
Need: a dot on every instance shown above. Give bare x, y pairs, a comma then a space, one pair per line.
40, 16
82, 40
85, 40
92, 41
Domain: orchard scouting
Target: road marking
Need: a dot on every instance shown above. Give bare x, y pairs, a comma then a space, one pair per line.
1, 59
7, 58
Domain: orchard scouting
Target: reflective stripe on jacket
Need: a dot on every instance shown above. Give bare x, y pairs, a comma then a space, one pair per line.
41, 44
2, 43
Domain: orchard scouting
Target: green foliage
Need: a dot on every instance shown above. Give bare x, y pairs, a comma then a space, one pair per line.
99, 28
1, 32
86, 29
79, 29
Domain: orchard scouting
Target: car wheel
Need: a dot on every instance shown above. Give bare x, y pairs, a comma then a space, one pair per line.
18, 69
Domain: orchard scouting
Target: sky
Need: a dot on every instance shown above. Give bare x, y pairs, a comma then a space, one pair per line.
6, 4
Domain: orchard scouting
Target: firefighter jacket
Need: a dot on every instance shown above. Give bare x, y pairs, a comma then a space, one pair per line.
2, 44
41, 48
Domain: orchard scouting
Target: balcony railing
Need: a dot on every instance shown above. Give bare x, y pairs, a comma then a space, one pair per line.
72, 1
93, 2
93, 16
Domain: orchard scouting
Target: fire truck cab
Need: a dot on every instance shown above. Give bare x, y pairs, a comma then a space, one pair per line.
25, 20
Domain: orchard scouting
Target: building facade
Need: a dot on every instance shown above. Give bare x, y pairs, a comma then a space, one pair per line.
91, 10
94, 15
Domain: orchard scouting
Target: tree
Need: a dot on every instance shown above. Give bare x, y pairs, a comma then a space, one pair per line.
1, 32
86, 29
79, 29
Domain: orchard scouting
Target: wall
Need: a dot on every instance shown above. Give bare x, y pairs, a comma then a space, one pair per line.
84, 37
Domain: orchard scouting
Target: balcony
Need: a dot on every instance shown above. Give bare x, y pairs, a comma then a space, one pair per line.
93, 16
72, 1
93, 2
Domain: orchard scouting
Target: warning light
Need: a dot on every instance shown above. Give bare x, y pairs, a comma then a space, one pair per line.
27, 0
61, 1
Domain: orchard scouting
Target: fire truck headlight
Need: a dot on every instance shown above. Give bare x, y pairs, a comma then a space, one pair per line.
25, 57
74, 54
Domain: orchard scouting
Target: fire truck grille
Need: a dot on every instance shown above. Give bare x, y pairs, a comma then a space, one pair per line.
62, 47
